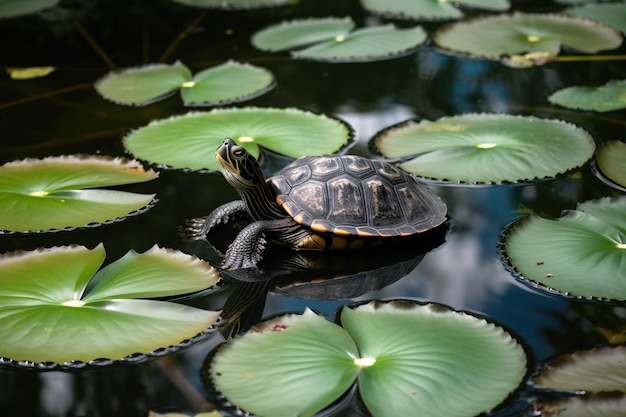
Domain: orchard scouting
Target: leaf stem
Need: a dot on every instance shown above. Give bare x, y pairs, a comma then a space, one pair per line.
181, 36
591, 58
94, 45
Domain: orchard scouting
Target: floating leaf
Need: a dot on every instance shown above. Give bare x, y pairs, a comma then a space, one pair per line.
332, 40
406, 357
428, 9
55, 306
497, 37
29, 73
611, 159
12, 8
50, 193
234, 4
190, 141
583, 253
608, 97
597, 405
611, 14
227, 83
593, 370
486, 148
296, 33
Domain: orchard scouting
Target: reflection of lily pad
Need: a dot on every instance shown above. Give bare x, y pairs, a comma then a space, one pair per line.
612, 14
12, 8
429, 9
406, 357
227, 83
57, 192
486, 148
583, 253
593, 370
608, 97
190, 141
55, 306
501, 36
611, 160
334, 42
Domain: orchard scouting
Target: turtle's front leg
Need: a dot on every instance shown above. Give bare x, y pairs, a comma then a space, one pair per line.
247, 248
199, 227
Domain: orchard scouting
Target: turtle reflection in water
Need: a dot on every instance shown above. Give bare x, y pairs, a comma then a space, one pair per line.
328, 202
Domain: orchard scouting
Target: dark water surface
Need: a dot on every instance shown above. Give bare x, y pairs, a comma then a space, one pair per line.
62, 114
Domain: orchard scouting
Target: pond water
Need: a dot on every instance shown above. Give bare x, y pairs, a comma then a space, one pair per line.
62, 114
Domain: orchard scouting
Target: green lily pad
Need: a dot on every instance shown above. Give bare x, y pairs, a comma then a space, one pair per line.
333, 40
611, 160
12, 8
608, 97
429, 9
500, 37
611, 14
404, 356
190, 141
55, 306
486, 148
234, 4
581, 254
223, 84
57, 192
595, 370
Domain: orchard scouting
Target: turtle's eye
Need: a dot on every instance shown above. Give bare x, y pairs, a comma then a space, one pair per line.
238, 151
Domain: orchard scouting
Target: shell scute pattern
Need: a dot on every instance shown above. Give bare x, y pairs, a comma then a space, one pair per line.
353, 196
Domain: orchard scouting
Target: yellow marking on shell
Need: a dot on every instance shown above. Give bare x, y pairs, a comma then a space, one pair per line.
340, 243
313, 242
341, 232
298, 218
367, 234
319, 227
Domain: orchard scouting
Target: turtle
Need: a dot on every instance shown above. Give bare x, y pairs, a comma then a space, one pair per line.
319, 203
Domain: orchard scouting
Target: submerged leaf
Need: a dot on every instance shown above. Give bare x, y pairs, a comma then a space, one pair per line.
608, 97
190, 141
593, 370
498, 37
12, 8
406, 357
50, 313
583, 253
611, 159
29, 73
56, 186
428, 9
486, 148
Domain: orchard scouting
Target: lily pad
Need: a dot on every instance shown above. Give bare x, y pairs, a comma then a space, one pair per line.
597, 405
486, 148
581, 254
403, 356
223, 84
333, 40
58, 192
608, 97
611, 14
55, 306
429, 9
596, 370
234, 4
12, 8
190, 141
611, 160
498, 37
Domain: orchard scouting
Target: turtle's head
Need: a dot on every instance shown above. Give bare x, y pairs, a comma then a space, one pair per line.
238, 166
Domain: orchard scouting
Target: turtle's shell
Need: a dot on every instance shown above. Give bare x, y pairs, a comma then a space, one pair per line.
349, 195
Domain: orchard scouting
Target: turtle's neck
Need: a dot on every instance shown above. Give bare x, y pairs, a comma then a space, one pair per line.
260, 201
